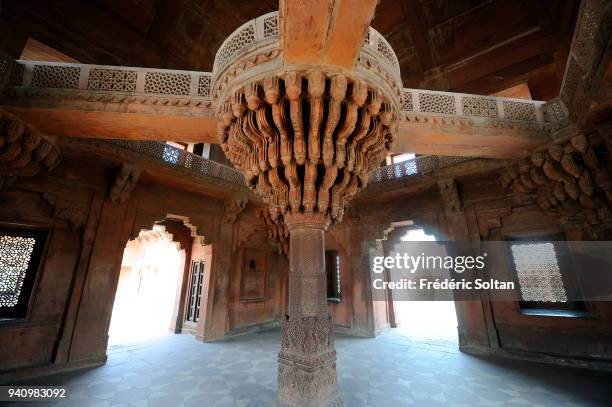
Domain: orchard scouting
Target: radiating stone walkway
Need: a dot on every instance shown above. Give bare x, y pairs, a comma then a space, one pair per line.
390, 370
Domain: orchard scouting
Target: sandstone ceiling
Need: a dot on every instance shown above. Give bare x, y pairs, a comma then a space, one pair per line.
476, 46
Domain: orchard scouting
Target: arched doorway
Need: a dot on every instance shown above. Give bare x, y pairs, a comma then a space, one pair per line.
423, 320
148, 283
154, 296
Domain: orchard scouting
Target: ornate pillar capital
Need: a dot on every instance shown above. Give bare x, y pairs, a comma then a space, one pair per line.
313, 220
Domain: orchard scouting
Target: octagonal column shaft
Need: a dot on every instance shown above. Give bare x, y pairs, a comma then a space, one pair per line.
307, 360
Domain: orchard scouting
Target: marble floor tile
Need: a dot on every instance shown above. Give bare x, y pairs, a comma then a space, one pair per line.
390, 370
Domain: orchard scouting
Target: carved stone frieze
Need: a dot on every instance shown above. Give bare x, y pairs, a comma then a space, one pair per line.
307, 362
307, 340
248, 62
303, 388
204, 105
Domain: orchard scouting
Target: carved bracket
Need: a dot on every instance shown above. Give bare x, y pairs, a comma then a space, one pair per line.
24, 151
491, 219
450, 195
570, 181
68, 210
277, 232
124, 183
233, 208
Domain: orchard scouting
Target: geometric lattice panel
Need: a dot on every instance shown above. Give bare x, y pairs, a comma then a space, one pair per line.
519, 111
112, 80
59, 77
271, 26
407, 101
167, 83
436, 103
204, 85
538, 272
236, 43
479, 107
15, 256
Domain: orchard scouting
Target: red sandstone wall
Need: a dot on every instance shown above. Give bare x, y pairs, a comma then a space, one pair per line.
260, 298
588, 338
496, 328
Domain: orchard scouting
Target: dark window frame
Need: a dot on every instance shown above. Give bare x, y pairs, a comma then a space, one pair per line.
194, 291
22, 309
333, 276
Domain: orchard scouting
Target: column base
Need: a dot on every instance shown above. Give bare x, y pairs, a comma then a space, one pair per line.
307, 363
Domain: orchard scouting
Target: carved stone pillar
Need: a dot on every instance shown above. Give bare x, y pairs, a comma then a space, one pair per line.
306, 138
307, 360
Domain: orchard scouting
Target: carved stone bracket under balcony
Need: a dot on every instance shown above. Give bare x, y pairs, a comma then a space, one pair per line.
24, 151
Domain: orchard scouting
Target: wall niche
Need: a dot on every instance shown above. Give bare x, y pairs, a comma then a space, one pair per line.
253, 276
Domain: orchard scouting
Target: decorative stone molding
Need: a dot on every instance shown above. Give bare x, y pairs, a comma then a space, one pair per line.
469, 109
571, 181
253, 51
103, 82
24, 151
204, 106
124, 183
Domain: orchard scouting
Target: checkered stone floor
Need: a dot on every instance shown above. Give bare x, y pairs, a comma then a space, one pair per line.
390, 370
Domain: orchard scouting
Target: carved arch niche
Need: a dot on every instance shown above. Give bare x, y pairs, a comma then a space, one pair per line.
146, 220
385, 234
252, 264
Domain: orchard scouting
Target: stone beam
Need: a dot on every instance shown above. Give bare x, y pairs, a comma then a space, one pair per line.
87, 101
456, 124
324, 32
94, 101
99, 123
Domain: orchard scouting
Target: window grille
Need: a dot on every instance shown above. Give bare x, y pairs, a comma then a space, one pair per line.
195, 291
544, 274
20, 254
